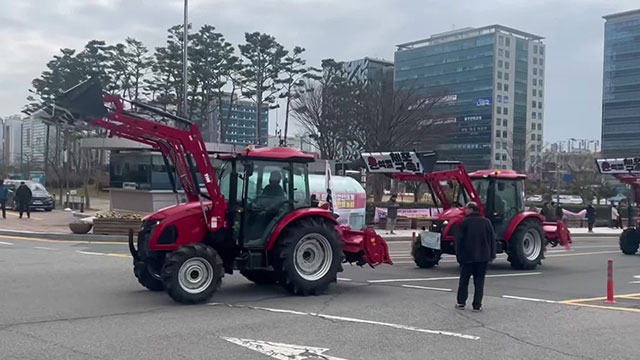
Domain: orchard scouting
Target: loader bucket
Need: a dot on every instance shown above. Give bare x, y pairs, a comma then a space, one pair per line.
84, 100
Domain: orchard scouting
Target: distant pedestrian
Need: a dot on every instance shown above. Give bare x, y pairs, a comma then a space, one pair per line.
548, 212
23, 197
559, 212
591, 217
4, 196
475, 248
392, 213
615, 217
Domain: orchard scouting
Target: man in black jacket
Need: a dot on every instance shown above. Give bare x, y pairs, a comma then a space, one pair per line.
23, 197
475, 248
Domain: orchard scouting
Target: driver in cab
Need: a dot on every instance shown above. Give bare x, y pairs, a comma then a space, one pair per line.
273, 189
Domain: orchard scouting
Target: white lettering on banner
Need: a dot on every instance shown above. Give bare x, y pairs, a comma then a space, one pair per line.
392, 162
618, 166
472, 118
381, 213
483, 101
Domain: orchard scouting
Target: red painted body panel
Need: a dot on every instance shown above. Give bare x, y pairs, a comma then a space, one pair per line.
188, 220
498, 174
293, 216
365, 242
454, 216
515, 222
557, 231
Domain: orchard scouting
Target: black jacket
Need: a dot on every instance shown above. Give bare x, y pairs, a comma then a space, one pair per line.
23, 194
475, 240
591, 213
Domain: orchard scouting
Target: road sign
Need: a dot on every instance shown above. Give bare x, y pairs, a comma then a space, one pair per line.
283, 351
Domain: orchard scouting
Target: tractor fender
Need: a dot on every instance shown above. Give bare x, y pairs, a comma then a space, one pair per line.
296, 215
518, 219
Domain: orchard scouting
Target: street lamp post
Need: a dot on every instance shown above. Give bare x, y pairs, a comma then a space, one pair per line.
185, 73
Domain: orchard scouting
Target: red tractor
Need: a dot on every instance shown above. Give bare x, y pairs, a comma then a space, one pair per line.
523, 235
255, 216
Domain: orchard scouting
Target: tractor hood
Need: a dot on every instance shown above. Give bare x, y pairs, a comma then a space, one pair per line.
452, 214
178, 211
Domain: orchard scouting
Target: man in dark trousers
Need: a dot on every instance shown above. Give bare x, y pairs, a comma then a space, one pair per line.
591, 217
23, 197
475, 248
4, 196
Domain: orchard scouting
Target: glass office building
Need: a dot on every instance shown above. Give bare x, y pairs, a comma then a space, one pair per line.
493, 81
621, 85
239, 119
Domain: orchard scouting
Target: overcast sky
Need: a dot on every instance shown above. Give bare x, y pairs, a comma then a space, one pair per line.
32, 31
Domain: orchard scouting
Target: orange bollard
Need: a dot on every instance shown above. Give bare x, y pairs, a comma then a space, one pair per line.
610, 299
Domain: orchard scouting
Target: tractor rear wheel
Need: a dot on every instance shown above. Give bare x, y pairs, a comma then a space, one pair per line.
526, 246
308, 256
261, 277
192, 273
425, 257
147, 276
629, 241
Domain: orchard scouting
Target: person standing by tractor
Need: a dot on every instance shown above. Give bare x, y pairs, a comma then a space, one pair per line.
392, 213
559, 212
615, 216
475, 248
4, 196
23, 197
548, 212
591, 217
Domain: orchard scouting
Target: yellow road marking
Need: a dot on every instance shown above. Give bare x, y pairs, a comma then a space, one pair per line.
603, 307
119, 255
597, 298
63, 241
584, 302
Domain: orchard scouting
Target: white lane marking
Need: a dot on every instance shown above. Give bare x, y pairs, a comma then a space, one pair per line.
344, 279
89, 253
584, 253
43, 248
5, 243
282, 351
636, 276
425, 288
634, 282
353, 320
529, 299
450, 278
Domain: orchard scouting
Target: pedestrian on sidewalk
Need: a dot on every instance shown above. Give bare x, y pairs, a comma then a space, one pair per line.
548, 212
23, 197
615, 217
559, 212
475, 248
392, 213
4, 196
591, 217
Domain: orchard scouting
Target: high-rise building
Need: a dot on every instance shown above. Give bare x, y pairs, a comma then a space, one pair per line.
493, 78
621, 85
34, 134
239, 119
368, 69
12, 140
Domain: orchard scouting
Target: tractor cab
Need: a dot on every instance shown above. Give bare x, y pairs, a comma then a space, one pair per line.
501, 192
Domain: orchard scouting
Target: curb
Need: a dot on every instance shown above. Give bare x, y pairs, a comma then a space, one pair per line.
66, 237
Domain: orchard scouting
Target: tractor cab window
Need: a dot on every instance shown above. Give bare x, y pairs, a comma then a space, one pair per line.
482, 187
507, 200
225, 175
454, 192
301, 195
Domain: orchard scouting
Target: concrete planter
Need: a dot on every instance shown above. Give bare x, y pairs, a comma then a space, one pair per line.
80, 227
109, 226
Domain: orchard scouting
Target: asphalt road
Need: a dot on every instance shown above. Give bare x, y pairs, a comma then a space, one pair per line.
63, 300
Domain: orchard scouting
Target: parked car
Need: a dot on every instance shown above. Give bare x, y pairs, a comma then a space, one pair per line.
41, 199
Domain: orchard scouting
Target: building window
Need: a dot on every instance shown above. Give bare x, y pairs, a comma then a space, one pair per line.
499, 74
504, 157
498, 145
539, 105
533, 136
506, 76
500, 52
507, 53
533, 114
506, 99
497, 156
506, 111
507, 42
535, 81
539, 137
498, 122
535, 61
499, 110
535, 71
499, 63
504, 145
539, 116
532, 148
533, 103
506, 64
506, 87
541, 50
533, 126
540, 93
497, 133
541, 62
540, 127
535, 49
533, 158
539, 148
499, 86
533, 92
501, 40
504, 134
505, 122
499, 98
541, 72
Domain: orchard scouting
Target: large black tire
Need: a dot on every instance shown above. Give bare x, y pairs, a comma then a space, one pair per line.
308, 256
629, 241
426, 258
146, 276
526, 246
261, 277
192, 273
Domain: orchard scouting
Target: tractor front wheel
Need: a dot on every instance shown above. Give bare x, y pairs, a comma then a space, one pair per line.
629, 241
526, 246
425, 257
308, 256
147, 276
192, 273
261, 277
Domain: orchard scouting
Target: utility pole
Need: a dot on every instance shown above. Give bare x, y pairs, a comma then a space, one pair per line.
185, 67
557, 180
